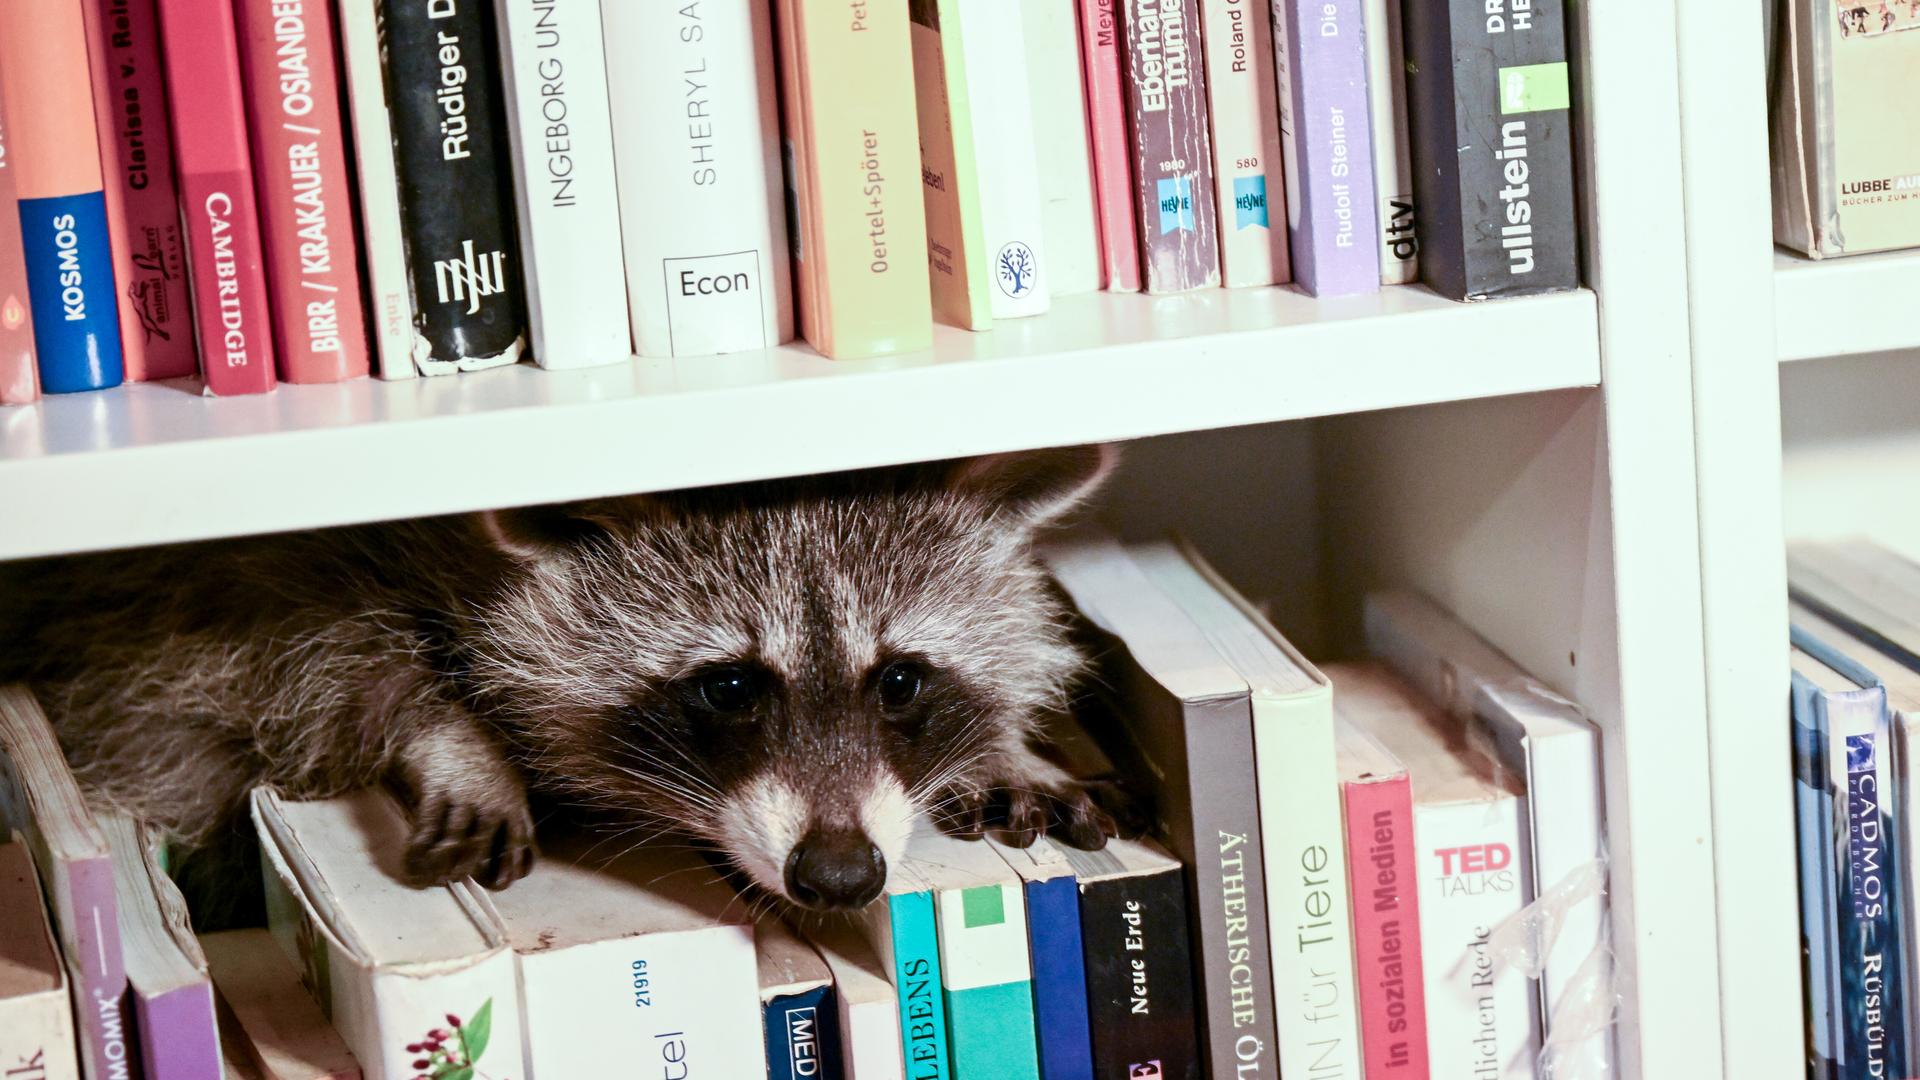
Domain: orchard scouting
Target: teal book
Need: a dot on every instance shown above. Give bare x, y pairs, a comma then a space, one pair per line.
901, 926
984, 964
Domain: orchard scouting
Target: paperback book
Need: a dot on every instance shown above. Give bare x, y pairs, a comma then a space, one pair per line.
1057, 955
865, 1006
167, 981
1101, 58
950, 175
382, 237
267, 1019
797, 1005
1172, 163
1326, 134
19, 382
1244, 106
1392, 158
1062, 143
36, 1016
902, 929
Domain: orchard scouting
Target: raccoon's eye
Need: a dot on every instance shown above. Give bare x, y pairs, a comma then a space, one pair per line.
729, 689
899, 684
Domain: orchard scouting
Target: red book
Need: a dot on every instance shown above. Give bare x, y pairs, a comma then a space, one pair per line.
19, 382
143, 207
300, 173
1390, 996
216, 195
1100, 34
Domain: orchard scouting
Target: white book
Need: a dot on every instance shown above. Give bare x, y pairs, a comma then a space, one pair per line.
405, 974
864, 1000
1473, 872
36, 1018
376, 180
1309, 922
553, 69
1063, 146
1392, 161
1549, 741
1243, 110
696, 155
644, 958
1002, 105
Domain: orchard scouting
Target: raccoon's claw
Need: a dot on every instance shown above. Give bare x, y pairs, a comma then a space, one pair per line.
1071, 812
488, 838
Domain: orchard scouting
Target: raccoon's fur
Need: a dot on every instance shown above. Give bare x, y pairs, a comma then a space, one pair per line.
790, 671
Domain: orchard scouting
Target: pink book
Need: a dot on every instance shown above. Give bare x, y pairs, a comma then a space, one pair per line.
143, 208
19, 382
300, 170
216, 195
1100, 34
1381, 872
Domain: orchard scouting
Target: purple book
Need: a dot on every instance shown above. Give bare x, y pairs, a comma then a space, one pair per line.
1326, 138
167, 978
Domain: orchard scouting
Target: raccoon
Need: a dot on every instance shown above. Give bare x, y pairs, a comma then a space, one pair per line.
789, 671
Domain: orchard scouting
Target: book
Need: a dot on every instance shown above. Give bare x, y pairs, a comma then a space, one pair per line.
1184, 730
301, 179
796, 1000
1819, 883
703, 227
1326, 139
984, 971
64, 232
643, 957
1062, 145
1392, 160
1303, 845
1172, 162
225, 256
266, 1016
456, 207
36, 1019
40, 799
1244, 106
1549, 740
1488, 117
957, 258
167, 980
1107, 125
867, 1011
858, 224
404, 974
1057, 957
1381, 873
1472, 872
382, 242
901, 927
554, 70
1845, 166
19, 382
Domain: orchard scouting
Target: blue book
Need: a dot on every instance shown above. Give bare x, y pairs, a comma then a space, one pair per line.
1059, 965
797, 999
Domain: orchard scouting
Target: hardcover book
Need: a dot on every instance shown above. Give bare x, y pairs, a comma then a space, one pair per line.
225, 255
555, 73
450, 150
1057, 956
1320, 57
1061, 143
1488, 101
300, 176
1172, 162
867, 1011
19, 382
1392, 160
63, 211
166, 974
267, 1018
1245, 109
1107, 124
143, 206
796, 1000
695, 123
36, 1018
382, 236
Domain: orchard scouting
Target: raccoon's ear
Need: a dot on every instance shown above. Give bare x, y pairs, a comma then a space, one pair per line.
536, 533
1035, 487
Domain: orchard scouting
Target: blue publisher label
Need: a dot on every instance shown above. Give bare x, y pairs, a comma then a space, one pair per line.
1176, 204
76, 327
1249, 202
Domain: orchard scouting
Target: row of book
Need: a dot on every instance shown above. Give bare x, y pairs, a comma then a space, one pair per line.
1341, 869
304, 186
1855, 609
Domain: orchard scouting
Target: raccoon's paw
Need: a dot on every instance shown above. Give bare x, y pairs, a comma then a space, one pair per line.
479, 830
1076, 813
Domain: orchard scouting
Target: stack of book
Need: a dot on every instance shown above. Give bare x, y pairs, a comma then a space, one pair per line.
305, 191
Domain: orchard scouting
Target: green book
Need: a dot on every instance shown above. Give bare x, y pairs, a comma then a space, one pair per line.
949, 170
901, 927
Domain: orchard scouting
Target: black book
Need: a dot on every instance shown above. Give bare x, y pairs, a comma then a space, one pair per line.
449, 139
1488, 100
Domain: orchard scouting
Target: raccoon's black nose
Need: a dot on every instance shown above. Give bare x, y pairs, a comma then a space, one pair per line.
837, 869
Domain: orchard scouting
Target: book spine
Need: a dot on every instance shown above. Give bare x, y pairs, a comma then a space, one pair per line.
1392, 164
19, 382
1391, 995
1907, 867
555, 74
36, 1038
1245, 110
1172, 160
1012, 221
803, 1036
1819, 882
703, 227
300, 175
178, 1036
918, 983
852, 137
1482, 1018
224, 248
1320, 61
989, 983
389, 295
88, 916
143, 206
1563, 770
949, 172
1140, 977
1106, 102
63, 212
1058, 959
1873, 983
1061, 141
450, 149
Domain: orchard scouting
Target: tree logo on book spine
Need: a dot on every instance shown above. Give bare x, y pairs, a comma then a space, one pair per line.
1015, 269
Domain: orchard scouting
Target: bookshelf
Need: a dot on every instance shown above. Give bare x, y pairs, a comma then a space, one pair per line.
1840, 307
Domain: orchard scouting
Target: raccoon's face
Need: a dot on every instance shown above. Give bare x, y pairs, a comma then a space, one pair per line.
792, 672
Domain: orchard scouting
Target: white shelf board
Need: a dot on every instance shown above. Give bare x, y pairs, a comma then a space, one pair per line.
1838, 307
158, 463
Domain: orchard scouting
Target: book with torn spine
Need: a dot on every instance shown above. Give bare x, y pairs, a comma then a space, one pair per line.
167, 979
